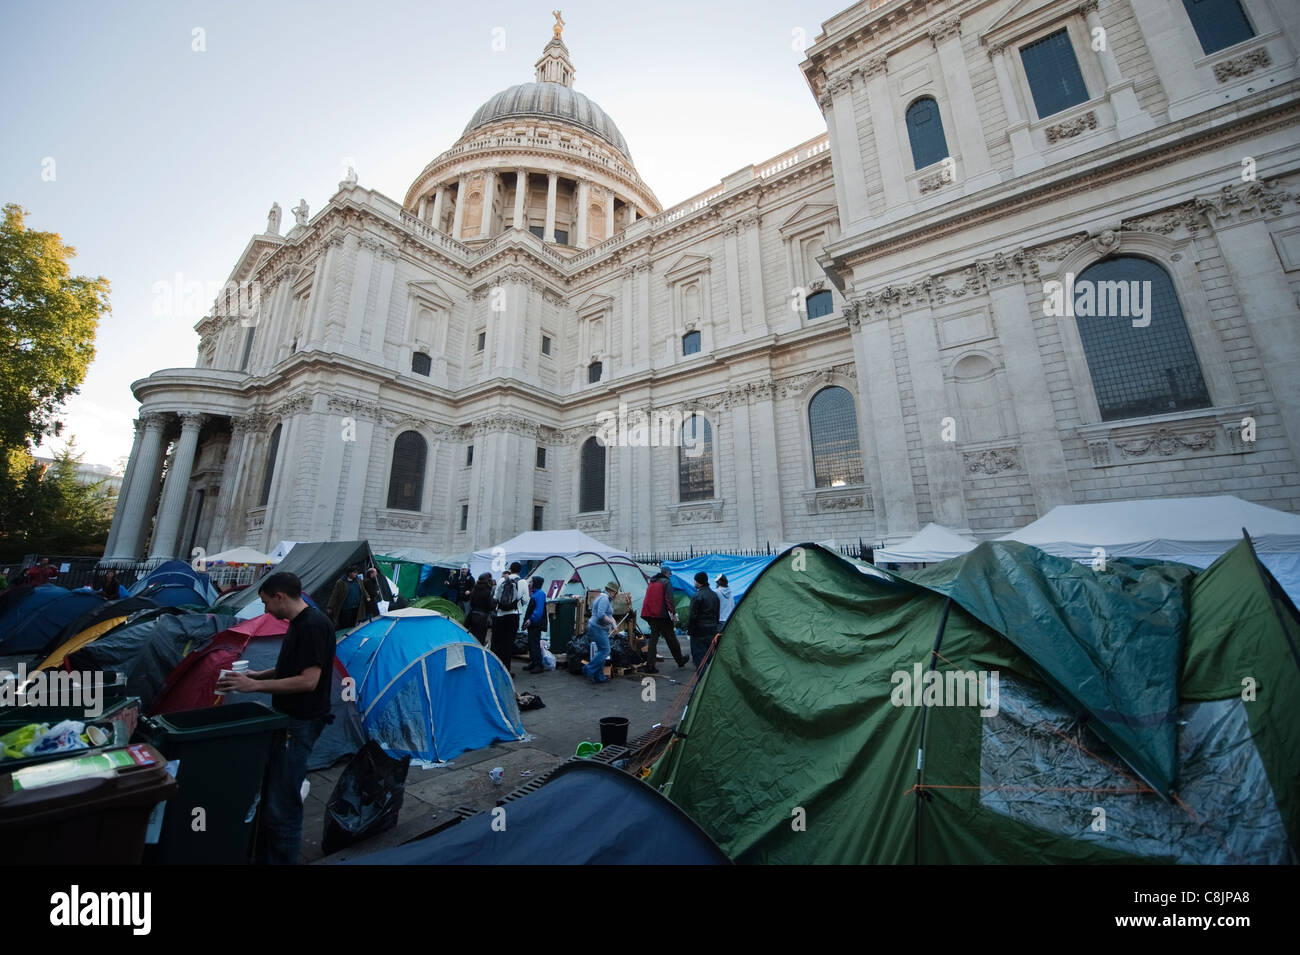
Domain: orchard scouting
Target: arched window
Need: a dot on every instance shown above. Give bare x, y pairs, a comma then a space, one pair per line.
690, 343
594, 371
820, 304
272, 449
1218, 23
1135, 339
695, 460
421, 363
833, 424
406, 483
925, 130
591, 470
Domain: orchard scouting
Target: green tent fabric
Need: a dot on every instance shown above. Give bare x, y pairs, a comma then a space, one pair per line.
800, 745
442, 606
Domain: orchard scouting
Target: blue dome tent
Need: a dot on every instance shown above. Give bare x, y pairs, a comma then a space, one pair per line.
426, 688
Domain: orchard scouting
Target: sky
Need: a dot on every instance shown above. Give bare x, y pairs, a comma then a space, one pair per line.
154, 136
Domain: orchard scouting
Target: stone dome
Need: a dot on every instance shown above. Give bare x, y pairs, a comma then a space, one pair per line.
544, 100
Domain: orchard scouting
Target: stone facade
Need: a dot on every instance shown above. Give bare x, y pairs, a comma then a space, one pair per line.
974, 407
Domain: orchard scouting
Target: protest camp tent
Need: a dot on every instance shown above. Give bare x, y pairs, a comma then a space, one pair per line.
538, 545
91, 625
931, 544
178, 574
240, 556
318, 566
426, 688
40, 617
740, 572
572, 575
585, 813
1190, 530
1119, 689
255, 608
192, 683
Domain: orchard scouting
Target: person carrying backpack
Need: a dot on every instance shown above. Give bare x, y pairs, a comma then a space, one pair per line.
505, 625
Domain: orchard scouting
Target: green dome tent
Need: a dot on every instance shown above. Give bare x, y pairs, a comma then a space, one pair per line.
1004, 706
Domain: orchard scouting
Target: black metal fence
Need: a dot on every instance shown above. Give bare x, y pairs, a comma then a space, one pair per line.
74, 572
859, 551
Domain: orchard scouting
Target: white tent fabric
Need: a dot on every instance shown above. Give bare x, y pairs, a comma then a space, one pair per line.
538, 545
418, 555
241, 555
932, 543
1190, 530
279, 551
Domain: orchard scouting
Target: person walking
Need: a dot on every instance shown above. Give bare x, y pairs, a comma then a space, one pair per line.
462, 582
598, 627
657, 611
535, 621
299, 685
703, 625
505, 625
481, 609
347, 602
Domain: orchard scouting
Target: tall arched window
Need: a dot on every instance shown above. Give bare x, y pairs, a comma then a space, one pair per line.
1219, 24
1135, 339
833, 424
695, 460
591, 476
406, 483
925, 130
272, 450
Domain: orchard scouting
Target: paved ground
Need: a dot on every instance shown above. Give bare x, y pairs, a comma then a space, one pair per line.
572, 714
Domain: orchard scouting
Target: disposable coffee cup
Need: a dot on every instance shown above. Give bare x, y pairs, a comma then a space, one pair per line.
239, 666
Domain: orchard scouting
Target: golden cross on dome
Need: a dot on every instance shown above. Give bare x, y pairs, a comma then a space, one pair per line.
559, 23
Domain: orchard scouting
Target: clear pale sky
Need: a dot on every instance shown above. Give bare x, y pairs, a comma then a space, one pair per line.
166, 159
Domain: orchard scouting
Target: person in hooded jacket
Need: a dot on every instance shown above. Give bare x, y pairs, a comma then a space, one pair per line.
657, 611
703, 625
725, 603
481, 608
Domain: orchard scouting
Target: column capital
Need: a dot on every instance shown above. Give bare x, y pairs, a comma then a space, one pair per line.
553, 176
945, 29
1088, 7
996, 49
153, 420
192, 420
875, 66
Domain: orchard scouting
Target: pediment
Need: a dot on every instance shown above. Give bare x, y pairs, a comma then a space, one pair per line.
430, 292
1024, 16
807, 215
595, 303
256, 253
688, 264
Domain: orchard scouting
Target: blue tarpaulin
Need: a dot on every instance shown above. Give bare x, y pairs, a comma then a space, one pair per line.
740, 571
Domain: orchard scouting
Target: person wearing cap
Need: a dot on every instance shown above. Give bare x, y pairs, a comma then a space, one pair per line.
703, 625
462, 582
598, 627
657, 611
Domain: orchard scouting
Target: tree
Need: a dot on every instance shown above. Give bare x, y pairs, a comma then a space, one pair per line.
48, 320
51, 509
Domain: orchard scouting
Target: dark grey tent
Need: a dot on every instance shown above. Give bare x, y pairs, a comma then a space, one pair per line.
318, 566
586, 813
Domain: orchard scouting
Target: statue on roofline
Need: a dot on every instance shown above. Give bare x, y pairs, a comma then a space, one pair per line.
559, 23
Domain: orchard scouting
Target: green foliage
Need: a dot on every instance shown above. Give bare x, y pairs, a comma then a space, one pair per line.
45, 508
48, 320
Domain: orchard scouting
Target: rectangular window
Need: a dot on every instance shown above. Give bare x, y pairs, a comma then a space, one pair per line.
561, 237
541, 457
1219, 24
1053, 74
248, 349
537, 517
537, 230
482, 340
464, 517
469, 456
546, 344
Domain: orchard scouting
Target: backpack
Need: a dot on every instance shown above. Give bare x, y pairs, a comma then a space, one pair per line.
509, 599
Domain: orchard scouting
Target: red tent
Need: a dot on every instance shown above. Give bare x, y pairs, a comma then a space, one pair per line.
193, 684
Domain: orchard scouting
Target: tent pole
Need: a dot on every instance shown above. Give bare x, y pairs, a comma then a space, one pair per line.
920, 750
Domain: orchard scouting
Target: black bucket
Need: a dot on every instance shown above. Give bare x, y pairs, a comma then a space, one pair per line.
613, 731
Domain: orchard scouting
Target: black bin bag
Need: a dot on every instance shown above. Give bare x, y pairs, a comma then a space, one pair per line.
366, 799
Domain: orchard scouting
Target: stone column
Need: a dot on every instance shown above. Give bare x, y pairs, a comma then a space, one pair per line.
439, 198
227, 488
747, 470
552, 180
847, 150
1040, 439
176, 488
754, 263
767, 472
489, 200
584, 196
424, 202
977, 168
1027, 159
942, 462
889, 151
1166, 32
643, 310
1130, 118
609, 214
1270, 306
521, 194
631, 213
731, 253
885, 460
458, 219
143, 468
119, 511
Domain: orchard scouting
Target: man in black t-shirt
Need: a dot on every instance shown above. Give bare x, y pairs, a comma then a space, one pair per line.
300, 688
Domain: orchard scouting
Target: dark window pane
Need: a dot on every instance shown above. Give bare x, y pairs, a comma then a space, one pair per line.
537, 517
1219, 23
406, 485
925, 130
272, 450
690, 343
464, 516
591, 494
833, 422
482, 340
546, 344
593, 372
1053, 74
820, 304
695, 460
1137, 371
541, 457
421, 363
469, 456
537, 230
561, 237
248, 349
